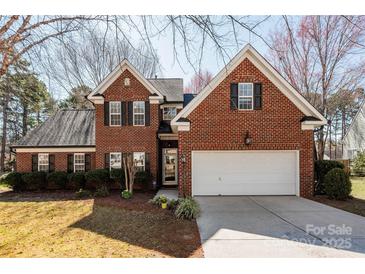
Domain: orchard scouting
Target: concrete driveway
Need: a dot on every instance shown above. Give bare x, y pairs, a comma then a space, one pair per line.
278, 226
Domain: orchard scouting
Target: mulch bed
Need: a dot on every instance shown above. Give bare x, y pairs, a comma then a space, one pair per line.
353, 205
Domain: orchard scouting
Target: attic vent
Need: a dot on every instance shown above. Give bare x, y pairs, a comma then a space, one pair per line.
127, 82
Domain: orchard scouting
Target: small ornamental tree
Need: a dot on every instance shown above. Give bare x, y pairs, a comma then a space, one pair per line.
359, 163
129, 173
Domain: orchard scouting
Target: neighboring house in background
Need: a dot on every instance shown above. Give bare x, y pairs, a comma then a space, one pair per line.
249, 132
354, 139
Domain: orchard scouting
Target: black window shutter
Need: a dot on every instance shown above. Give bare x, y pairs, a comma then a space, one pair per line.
257, 97
51, 162
147, 166
70, 163
107, 161
35, 162
123, 112
130, 113
234, 96
87, 162
147, 113
106, 113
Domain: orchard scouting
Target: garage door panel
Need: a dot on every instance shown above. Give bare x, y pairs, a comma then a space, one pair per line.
244, 173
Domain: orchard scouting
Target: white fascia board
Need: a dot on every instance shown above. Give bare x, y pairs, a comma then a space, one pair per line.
97, 100
125, 64
249, 52
54, 149
177, 105
308, 127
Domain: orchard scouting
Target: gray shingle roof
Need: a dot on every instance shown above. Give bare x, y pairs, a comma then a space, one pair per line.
171, 88
64, 128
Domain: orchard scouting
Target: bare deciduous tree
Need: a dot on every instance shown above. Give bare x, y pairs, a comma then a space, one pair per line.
129, 172
318, 55
19, 34
198, 82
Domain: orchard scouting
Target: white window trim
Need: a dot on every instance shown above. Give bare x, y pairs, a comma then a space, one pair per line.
144, 161
39, 161
144, 114
251, 97
163, 113
75, 160
110, 113
110, 159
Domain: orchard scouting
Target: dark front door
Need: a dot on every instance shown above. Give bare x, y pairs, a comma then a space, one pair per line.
169, 166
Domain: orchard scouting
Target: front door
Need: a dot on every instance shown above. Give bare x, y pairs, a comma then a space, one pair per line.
169, 166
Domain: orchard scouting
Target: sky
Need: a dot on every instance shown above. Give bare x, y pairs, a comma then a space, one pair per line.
211, 61
181, 68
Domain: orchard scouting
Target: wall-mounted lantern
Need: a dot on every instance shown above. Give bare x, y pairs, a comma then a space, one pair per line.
248, 139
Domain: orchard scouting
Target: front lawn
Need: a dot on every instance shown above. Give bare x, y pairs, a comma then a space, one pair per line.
57, 225
356, 204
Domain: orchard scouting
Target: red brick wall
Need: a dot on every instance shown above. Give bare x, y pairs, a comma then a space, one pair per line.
276, 127
127, 138
24, 160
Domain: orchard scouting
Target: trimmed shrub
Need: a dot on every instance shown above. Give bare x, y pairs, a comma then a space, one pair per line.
102, 192
117, 176
322, 167
35, 180
187, 208
15, 181
126, 194
359, 164
58, 178
97, 178
83, 193
337, 184
77, 180
143, 178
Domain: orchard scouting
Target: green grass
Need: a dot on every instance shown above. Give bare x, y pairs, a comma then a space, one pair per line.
57, 225
358, 187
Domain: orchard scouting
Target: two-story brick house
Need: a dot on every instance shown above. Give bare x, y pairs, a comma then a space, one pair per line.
132, 115
248, 132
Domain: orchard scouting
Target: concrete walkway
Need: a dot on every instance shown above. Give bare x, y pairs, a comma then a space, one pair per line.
278, 226
170, 194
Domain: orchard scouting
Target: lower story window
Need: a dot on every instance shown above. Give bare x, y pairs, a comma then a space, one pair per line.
115, 160
79, 162
139, 160
43, 162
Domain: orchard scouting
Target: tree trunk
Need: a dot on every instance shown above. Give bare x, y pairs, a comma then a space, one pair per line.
321, 145
4, 131
25, 120
38, 117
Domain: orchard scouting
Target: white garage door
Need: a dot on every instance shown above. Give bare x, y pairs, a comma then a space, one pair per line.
245, 172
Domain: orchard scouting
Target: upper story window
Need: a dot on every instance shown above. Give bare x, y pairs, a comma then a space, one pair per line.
115, 114
43, 162
127, 82
245, 96
79, 162
169, 113
139, 113
139, 160
115, 160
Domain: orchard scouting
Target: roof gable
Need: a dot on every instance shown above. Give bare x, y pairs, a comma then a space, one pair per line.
259, 61
124, 65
